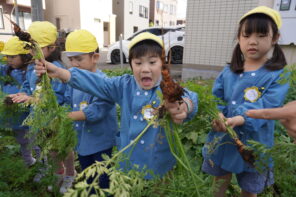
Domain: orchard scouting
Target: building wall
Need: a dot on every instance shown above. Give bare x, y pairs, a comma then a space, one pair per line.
165, 13
268, 3
134, 21
211, 27
6, 7
152, 11
211, 30
118, 10
288, 29
68, 16
128, 19
91, 15
94, 13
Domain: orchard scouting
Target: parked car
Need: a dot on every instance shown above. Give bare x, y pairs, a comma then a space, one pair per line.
173, 40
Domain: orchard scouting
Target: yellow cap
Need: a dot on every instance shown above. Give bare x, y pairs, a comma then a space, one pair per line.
145, 36
1, 45
43, 32
79, 42
14, 46
273, 14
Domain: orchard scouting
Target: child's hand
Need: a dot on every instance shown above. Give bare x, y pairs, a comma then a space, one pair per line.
53, 71
20, 98
235, 121
177, 110
77, 115
218, 124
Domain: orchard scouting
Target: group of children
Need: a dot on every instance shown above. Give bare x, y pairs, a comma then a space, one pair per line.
248, 82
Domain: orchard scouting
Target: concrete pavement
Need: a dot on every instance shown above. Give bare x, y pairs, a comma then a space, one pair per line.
178, 71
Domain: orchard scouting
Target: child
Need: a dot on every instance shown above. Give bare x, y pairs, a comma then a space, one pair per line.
249, 82
96, 120
45, 34
286, 114
132, 93
2, 57
18, 59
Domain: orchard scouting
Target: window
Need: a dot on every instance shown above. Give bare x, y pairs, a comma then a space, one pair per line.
58, 23
146, 12
159, 5
135, 29
131, 7
1, 19
171, 9
157, 32
143, 11
166, 8
25, 19
285, 5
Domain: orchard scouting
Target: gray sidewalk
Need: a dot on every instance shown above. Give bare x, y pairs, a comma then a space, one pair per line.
178, 71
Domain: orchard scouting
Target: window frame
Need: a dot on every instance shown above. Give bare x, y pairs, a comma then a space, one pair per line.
143, 11
285, 9
2, 25
131, 7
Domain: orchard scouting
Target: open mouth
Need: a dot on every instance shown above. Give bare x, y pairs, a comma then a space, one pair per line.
146, 81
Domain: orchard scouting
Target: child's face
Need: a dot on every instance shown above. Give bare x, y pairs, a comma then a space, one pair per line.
47, 50
147, 70
85, 61
15, 61
256, 46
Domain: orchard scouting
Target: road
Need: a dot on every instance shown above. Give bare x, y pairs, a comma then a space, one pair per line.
176, 69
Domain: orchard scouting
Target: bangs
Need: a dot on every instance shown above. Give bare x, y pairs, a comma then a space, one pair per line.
256, 23
146, 47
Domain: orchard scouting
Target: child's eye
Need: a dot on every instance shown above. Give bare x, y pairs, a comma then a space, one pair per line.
245, 35
262, 35
138, 63
152, 62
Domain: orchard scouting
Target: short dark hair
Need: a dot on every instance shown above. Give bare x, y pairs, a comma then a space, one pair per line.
143, 48
96, 51
55, 55
258, 23
26, 59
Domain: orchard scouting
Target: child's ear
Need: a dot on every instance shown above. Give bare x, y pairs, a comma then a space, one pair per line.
51, 49
96, 57
275, 39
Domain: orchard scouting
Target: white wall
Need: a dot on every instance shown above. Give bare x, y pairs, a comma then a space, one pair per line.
288, 29
134, 19
93, 15
211, 27
164, 17
67, 10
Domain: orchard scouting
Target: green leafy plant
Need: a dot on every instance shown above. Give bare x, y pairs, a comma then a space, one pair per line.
117, 72
3, 59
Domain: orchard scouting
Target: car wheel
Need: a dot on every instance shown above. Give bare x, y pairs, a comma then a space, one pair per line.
115, 57
176, 55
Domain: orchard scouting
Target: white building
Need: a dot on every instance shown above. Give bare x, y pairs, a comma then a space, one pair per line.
7, 12
211, 27
95, 16
163, 13
132, 15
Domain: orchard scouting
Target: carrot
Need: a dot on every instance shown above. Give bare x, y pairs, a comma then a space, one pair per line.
247, 154
171, 90
24, 36
8, 100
